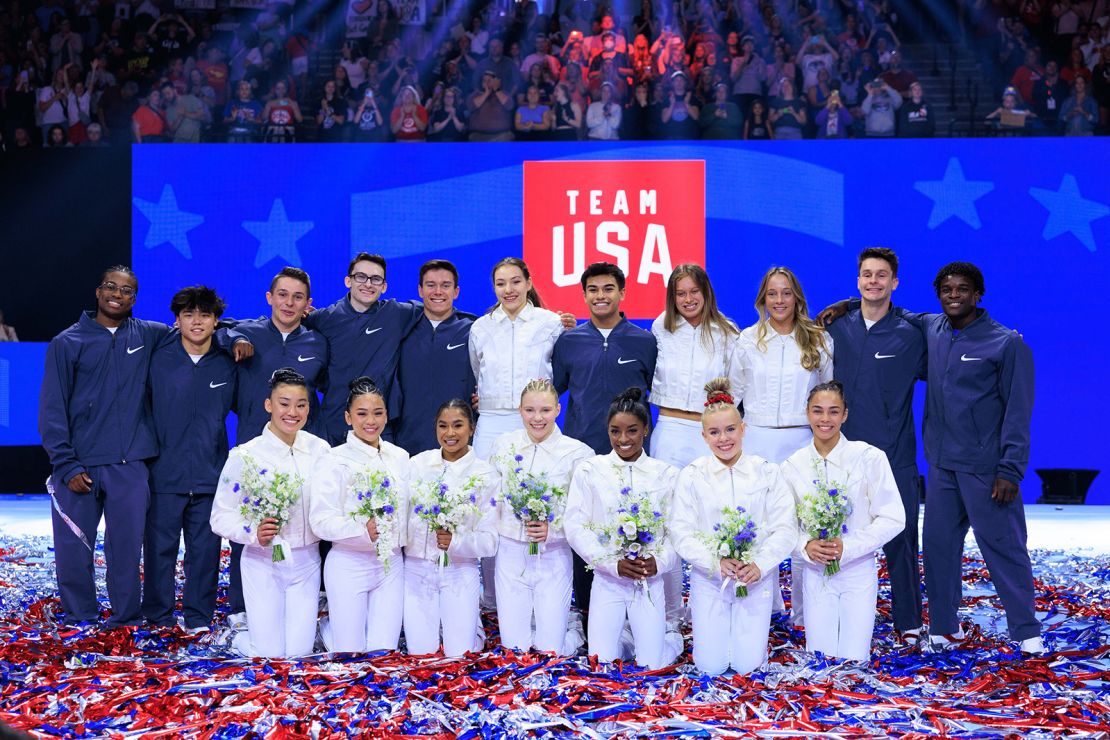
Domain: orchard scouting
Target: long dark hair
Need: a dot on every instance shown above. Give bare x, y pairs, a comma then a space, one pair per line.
517, 262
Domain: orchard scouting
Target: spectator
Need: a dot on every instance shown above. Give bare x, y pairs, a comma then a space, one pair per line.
833, 121
880, 109
1075, 69
117, 105
536, 79
603, 117
542, 55
447, 122
721, 119
491, 117
533, 119
637, 120
1079, 113
79, 114
1012, 114
787, 115
915, 118
354, 64
53, 103
148, 126
1092, 47
1049, 93
568, 115
56, 137
679, 117
609, 53
747, 72
7, 332
215, 72
507, 74
21, 138
899, 79
368, 120
868, 69
332, 114
816, 54
478, 35
643, 65
818, 94
281, 115
1100, 86
94, 136
757, 127
409, 119
1027, 75
343, 82
65, 46
778, 70
594, 44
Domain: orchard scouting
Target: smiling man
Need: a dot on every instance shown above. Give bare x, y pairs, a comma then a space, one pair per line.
978, 408
592, 364
364, 334
435, 360
95, 423
878, 355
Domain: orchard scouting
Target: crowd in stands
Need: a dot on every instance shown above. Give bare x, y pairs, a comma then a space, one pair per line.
111, 72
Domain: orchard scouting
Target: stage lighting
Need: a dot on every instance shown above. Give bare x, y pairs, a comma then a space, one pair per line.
1065, 485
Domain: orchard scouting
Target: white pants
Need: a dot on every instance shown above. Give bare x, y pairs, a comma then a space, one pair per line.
282, 600
841, 608
491, 425
533, 584
441, 599
364, 602
729, 631
677, 442
775, 444
615, 600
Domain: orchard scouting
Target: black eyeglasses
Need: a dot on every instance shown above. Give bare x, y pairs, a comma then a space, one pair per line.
362, 277
126, 291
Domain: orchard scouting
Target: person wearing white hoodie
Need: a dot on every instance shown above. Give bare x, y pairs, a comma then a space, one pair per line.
840, 608
445, 598
281, 595
625, 589
364, 578
730, 630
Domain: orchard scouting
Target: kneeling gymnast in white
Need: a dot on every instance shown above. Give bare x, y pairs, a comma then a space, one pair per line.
840, 607
628, 582
364, 572
533, 571
730, 630
442, 564
281, 560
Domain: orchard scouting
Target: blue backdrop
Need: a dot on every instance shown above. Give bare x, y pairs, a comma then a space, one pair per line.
1031, 213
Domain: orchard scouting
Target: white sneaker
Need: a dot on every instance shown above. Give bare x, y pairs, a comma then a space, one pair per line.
910, 638
237, 621
944, 642
1032, 646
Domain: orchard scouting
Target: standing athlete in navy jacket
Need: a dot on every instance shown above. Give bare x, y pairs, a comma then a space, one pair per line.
593, 364
978, 407
192, 389
94, 418
435, 360
364, 334
878, 355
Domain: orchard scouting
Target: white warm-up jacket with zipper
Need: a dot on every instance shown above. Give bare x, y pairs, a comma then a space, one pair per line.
774, 384
478, 538
688, 360
505, 354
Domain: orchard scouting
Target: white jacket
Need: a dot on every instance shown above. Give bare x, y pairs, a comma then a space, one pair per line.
332, 502
707, 486
269, 452
864, 475
685, 364
775, 385
505, 354
594, 498
476, 540
557, 456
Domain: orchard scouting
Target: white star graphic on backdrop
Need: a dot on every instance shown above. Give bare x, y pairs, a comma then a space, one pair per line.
168, 223
954, 196
1069, 211
278, 236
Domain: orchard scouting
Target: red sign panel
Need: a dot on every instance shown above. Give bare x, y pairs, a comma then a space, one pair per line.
645, 217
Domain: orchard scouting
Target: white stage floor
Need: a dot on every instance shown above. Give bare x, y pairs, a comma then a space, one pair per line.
1073, 528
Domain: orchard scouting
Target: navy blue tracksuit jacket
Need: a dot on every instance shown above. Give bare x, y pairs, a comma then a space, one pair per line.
303, 350
593, 370
878, 368
190, 403
434, 367
979, 401
93, 408
367, 343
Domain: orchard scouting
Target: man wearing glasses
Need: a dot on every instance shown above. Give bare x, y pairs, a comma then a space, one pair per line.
364, 334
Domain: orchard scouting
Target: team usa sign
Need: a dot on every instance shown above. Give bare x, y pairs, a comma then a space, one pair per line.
646, 217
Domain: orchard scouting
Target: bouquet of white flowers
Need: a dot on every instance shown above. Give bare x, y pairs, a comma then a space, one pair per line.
445, 507
375, 497
734, 537
531, 496
266, 494
637, 529
824, 514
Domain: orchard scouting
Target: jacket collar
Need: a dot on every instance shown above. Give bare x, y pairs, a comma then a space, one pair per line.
836, 455
300, 442
526, 314
299, 330
359, 450
616, 460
